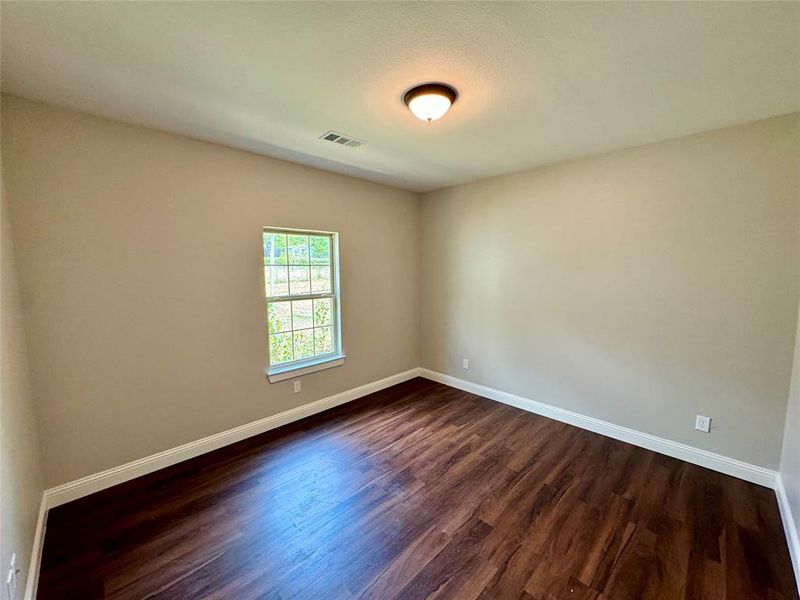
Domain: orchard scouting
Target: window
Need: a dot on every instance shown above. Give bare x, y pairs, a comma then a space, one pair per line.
302, 286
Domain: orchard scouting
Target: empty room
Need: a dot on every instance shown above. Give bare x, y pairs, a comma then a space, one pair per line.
400, 300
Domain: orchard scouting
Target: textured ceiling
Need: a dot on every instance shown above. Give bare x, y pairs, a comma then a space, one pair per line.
538, 82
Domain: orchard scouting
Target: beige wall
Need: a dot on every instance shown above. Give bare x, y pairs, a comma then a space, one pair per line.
20, 470
641, 287
140, 265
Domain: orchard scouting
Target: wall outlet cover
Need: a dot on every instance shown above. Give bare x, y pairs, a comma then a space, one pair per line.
702, 423
11, 581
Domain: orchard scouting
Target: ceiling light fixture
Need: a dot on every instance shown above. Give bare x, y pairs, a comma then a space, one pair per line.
430, 101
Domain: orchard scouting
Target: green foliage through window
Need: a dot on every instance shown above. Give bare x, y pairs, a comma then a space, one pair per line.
299, 276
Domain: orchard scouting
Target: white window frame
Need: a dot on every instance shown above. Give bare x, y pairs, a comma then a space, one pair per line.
319, 362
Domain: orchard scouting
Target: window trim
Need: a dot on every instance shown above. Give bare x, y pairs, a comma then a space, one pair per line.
327, 361
317, 362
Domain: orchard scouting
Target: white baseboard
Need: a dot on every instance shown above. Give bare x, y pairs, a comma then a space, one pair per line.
99, 481
105, 479
116, 475
789, 527
36, 551
710, 460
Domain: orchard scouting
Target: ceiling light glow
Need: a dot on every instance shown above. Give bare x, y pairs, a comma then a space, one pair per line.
430, 101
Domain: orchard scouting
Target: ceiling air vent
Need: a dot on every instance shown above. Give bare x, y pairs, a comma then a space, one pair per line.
342, 139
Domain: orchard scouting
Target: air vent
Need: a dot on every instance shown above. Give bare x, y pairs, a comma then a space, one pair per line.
342, 139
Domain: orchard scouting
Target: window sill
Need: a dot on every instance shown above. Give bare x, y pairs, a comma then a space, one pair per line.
279, 374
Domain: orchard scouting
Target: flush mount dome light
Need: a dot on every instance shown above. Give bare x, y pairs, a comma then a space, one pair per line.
430, 101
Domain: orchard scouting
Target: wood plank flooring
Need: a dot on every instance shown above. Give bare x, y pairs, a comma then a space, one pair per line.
422, 491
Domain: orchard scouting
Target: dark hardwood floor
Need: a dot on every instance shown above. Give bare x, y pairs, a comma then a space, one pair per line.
422, 491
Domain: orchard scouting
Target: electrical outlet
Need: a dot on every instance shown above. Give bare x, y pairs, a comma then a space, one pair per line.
466, 363
298, 386
703, 423
11, 578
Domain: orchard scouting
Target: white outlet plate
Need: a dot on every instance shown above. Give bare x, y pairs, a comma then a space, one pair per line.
11, 578
298, 386
702, 423
465, 363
